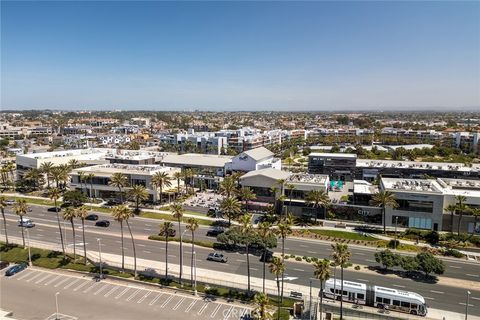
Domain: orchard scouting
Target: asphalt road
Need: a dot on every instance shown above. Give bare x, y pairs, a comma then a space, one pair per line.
437, 296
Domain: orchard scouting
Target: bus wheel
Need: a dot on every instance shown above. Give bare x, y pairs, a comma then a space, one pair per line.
414, 312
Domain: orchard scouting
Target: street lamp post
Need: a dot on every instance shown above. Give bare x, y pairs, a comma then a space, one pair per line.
466, 306
56, 306
310, 302
100, 257
396, 223
29, 252
194, 273
181, 256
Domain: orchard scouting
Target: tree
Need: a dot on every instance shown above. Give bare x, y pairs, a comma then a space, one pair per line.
408, 263
73, 164
34, 176
59, 174
260, 312
451, 208
90, 178
3, 205
318, 199
246, 194
178, 176
192, 226
387, 258
264, 231
322, 272
118, 216
187, 175
69, 214
230, 207
228, 187
177, 212
82, 213
81, 179
246, 229
428, 263
161, 180
277, 268
46, 168
138, 193
127, 214
54, 194
284, 229
384, 199
120, 181
20, 208
461, 209
290, 187
475, 213
341, 256
166, 229
75, 197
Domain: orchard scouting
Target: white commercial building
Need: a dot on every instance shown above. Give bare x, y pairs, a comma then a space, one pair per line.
255, 159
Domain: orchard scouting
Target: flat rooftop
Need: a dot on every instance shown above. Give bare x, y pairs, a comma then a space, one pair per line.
197, 159
414, 185
446, 166
333, 155
308, 178
124, 168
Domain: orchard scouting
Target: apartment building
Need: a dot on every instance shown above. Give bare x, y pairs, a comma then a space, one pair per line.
12, 132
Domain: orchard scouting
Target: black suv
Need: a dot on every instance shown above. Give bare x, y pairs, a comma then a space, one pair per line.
215, 232
102, 223
92, 217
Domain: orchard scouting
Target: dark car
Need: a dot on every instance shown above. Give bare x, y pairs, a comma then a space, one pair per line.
92, 217
15, 269
54, 209
3, 264
215, 232
172, 233
102, 223
267, 256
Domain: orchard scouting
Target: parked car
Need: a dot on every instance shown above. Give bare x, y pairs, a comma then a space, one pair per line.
172, 233
102, 223
222, 223
15, 269
54, 209
26, 223
267, 256
10, 202
215, 232
92, 217
217, 257
3, 264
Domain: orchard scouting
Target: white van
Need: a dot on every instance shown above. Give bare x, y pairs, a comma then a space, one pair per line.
27, 223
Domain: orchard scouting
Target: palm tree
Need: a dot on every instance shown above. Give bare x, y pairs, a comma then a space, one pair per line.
277, 268
69, 214
20, 208
260, 312
265, 232
322, 272
81, 179
451, 208
138, 193
228, 187
192, 225
3, 205
82, 213
284, 229
10, 168
384, 199
290, 188
461, 208
187, 175
73, 164
118, 215
120, 181
318, 199
246, 194
166, 229
475, 213
231, 208
178, 176
341, 256
34, 176
161, 180
246, 228
127, 214
54, 194
177, 212
46, 168
90, 178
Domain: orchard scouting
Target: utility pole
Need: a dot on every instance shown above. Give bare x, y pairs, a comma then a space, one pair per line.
195, 273
100, 257
466, 306
396, 223
29, 252
56, 306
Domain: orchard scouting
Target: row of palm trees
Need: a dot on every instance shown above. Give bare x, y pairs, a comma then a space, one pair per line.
460, 208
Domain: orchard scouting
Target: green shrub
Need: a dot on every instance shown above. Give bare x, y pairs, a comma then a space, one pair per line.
357, 268
453, 253
283, 315
298, 258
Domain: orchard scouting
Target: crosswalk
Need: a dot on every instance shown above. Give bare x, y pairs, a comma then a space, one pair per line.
195, 307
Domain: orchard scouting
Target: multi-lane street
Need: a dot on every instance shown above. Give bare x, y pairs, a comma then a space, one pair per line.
438, 296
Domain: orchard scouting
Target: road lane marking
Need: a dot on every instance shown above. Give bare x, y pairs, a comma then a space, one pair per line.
359, 254
439, 292
101, 289
144, 297
301, 270
370, 260
191, 305
167, 301
178, 304
203, 308
239, 260
312, 252
303, 246
397, 285
146, 251
81, 285
71, 283
61, 282
215, 311
227, 315
254, 269
428, 298
473, 275
133, 295
244, 312
464, 304
147, 229
155, 300
141, 245
122, 293
171, 255
474, 298
455, 267
364, 280
51, 280
111, 291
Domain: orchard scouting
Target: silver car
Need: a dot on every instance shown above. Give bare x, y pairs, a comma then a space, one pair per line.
217, 257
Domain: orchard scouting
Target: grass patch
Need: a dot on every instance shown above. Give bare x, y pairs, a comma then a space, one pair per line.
168, 217
343, 235
42, 202
201, 243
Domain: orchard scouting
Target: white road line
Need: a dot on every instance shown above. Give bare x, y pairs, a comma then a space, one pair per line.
27, 274
428, 298
61, 282
147, 229
398, 286
145, 251
141, 245
473, 275
364, 280
244, 312
171, 255
464, 304
81, 285
191, 305
43, 279
91, 287
439, 292
155, 300
166, 301
101, 289
359, 254
370, 260
302, 245
203, 308
312, 252
122, 293
111, 291
474, 298
215, 311
228, 313
118, 241
178, 304
144, 297
133, 295
35, 276
301, 270
254, 269
71, 283
454, 267
52, 280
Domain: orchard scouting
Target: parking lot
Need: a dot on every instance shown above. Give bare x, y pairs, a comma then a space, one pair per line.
121, 295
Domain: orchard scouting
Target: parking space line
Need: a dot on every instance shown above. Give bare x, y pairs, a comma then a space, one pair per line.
133, 295
191, 305
215, 311
101, 289
43, 279
111, 291
143, 298
35, 276
122, 293
71, 283
29, 273
227, 315
244, 312
167, 301
202, 308
81, 285
61, 282
178, 304
51, 280
95, 284
155, 299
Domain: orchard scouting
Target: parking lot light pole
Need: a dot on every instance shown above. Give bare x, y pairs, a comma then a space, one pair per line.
56, 306
29, 252
395, 242
100, 256
181, 257
194, 273
466, 306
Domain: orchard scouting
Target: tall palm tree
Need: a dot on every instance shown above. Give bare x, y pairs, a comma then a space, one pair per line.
82, 213
138, 193
177, 212
284, 229
384, 199
127, 214
178, 176
290, 187
118, 215
10, 168
318, 199
260, 312
73, 164
69, 214
187, 176
451, 208
475, 213
231, 207
90, 178
81, 179
192, 225
161, 180
247, 194
461, 208
322, 272
54, 194
120, 181
33, 175
228, 187
166, 229
3, 205
341, 256
46, 168
277, 268
20, 208
265, 231
246, 228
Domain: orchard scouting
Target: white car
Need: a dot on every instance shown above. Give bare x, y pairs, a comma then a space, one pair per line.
218, 257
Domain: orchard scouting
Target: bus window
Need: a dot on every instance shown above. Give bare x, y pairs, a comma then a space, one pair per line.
413, 306
379, 299
386, 301
360, 296
406, 304
331, 290
396, 303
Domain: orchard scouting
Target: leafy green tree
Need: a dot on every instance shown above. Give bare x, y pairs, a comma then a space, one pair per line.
260, 312
54, 194
46, 168
230, 207
384, 199
322, 272
461, 209
118, 215
246, 228
75, 197
161, 180
451, 208
82, 213
90, 178
284, 229
408, 263
428, 263
265, 231
277, 268
178, 176
228, 187
246, 194
387, 258
192, 226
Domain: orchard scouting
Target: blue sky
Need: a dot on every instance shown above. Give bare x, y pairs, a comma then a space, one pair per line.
240, 55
